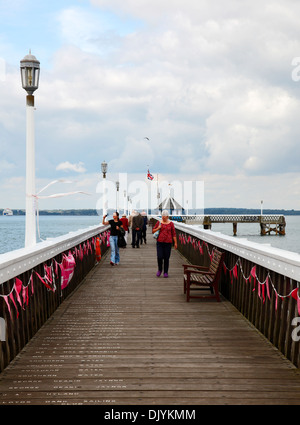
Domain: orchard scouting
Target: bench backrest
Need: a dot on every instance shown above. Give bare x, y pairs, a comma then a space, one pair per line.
216, 262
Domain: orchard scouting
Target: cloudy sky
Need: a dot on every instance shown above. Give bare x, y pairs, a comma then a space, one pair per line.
213, 84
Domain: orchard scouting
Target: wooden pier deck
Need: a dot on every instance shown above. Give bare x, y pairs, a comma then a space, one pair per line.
126, 337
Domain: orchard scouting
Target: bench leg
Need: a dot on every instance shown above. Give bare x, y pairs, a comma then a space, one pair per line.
216, 289
188, 289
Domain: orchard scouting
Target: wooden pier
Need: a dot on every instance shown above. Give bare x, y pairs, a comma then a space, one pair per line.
125, 337
268, 223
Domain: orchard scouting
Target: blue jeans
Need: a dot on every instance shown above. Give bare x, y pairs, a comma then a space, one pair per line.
114, 250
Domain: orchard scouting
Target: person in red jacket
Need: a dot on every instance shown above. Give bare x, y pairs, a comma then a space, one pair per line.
167, 235
125, 222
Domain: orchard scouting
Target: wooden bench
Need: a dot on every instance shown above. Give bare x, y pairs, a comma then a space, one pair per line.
200, 278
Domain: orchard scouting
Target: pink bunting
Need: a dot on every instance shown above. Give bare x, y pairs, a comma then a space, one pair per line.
25, 295
235, 271
18, 298
267, 286
263, 293
42, 280
294, 294
31, 284
18, 284
48, 273
67, 270
8, 306
14, 303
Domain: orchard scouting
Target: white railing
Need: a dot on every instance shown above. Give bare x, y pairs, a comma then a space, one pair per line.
17, 262
35, 281
262, 282
280, 261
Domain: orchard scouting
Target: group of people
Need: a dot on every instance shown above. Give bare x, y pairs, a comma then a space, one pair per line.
138, 222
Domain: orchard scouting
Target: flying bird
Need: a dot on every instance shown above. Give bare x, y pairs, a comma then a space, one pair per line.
146, 138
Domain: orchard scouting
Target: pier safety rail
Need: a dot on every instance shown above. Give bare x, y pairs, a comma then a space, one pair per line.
35, 281
260, 281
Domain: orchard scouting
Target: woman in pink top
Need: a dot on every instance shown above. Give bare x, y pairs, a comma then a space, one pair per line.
164, 243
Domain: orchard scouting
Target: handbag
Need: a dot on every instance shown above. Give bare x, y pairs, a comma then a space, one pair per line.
121, 241
156, 234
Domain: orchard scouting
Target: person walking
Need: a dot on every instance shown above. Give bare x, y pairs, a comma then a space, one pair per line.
136, 225
125, 222
144, 228
166, 237
115, 226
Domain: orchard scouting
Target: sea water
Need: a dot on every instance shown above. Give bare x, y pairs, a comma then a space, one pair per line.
12, 231
12, 228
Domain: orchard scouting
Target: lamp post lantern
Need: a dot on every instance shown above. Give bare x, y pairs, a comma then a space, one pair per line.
104, 172
30, 74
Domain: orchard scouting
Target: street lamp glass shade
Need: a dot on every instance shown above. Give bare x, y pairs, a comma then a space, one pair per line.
30, 73
104, 167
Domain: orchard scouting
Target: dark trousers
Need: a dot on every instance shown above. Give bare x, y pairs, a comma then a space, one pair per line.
163, 255
143, 235
136, 235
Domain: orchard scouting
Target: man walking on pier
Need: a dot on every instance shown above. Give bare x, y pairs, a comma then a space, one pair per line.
137, 225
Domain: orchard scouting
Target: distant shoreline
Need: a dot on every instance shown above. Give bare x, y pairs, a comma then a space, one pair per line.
207, 211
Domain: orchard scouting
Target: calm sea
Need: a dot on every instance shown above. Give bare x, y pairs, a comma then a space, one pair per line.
12, 231
12, 228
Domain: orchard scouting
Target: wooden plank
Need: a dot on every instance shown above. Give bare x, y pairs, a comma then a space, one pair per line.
126, 337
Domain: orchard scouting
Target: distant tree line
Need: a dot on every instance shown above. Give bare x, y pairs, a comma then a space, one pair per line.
248, 211
57, 212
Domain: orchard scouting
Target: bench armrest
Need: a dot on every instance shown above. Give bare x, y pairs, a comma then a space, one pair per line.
185, 266
199, 272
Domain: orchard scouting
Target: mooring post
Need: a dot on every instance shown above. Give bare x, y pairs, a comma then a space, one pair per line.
207, 223
262, 229
234, 228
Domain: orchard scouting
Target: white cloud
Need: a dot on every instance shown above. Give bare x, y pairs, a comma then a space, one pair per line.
67, 166
210, 85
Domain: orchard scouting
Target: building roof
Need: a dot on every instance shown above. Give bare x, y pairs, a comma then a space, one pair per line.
169, 204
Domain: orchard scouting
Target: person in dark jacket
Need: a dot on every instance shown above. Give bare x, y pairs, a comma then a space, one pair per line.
136, 226
144, 228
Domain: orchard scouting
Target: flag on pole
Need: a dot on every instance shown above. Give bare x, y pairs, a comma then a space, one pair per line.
149, 175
